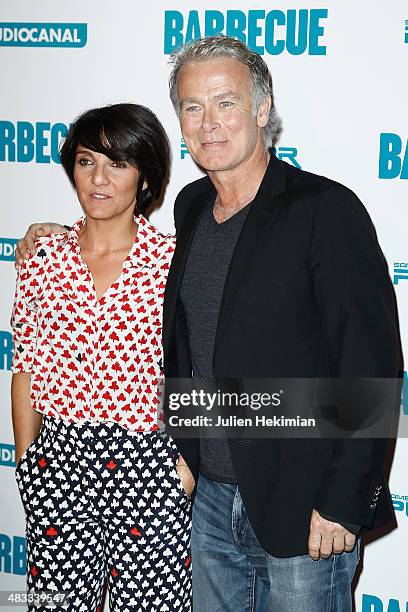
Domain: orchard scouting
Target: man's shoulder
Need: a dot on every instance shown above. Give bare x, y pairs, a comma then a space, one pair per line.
324, 198
195, 188
303, 182
193, 191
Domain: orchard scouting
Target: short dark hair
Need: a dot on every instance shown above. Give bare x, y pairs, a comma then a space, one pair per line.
123, 132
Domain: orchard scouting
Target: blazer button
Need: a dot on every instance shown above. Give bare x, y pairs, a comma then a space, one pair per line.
372, 506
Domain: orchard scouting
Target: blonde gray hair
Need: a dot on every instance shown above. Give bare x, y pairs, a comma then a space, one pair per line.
210, 47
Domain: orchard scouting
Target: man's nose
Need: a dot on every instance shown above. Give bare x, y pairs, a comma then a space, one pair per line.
209, 119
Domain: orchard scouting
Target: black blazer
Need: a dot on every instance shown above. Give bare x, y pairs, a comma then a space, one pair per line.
307, 295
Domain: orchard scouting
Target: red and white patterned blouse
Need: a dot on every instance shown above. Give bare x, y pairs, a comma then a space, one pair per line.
93, 360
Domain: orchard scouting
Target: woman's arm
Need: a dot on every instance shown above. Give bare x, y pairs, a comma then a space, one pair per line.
24, 323
26, 422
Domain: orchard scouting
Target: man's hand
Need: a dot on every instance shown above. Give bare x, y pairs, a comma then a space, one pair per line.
326, 538
185, 475
25, 247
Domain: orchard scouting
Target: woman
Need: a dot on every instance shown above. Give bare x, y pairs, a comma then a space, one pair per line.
96, 473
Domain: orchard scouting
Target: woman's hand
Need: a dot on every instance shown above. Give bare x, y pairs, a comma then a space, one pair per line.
26, 248
185, 475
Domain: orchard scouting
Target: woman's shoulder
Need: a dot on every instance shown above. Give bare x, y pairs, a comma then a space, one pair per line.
49, 243
167, 240
47, 248
155, 236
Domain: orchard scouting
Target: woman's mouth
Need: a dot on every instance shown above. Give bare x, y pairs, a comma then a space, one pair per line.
99, 196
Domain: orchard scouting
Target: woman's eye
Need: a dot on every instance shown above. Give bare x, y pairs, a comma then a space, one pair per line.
119, 165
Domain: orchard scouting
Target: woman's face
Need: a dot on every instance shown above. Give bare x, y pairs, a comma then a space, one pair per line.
105, 188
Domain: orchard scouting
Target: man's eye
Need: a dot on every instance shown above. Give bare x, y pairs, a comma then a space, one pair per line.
84, 161
192, 109
226, 103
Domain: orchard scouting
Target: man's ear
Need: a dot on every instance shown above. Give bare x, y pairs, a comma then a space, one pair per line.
264, 109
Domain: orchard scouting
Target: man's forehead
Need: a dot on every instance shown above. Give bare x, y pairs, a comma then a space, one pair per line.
221, 64
214, 74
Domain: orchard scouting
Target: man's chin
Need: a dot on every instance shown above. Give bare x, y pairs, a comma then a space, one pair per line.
208, 165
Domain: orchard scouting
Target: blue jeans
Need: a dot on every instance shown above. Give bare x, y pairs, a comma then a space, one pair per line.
232, 572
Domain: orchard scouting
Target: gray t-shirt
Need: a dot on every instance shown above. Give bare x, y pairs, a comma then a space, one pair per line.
201, 293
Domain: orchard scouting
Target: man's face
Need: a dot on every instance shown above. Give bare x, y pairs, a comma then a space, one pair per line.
216, 116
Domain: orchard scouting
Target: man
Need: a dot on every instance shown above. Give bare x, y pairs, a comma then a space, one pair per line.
266, 281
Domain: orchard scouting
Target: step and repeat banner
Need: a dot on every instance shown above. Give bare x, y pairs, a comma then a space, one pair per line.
339, 70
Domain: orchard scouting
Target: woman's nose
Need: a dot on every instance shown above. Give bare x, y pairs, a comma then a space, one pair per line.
99, 175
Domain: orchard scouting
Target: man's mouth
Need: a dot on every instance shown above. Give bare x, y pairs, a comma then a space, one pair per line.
214, 143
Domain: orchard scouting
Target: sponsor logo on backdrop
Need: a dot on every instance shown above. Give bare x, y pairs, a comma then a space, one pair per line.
7, 249
286, 153
406, 31
292, 31
43, 34
23, 141
6, 350
373, 603
393, 157
400, 271
7, 455
400, 503
12, 554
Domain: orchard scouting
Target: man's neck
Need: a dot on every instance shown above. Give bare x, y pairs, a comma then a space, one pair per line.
236, 188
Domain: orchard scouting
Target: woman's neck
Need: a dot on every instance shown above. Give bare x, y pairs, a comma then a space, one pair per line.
101, 236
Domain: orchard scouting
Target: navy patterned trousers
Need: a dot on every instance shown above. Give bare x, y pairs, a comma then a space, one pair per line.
103, 503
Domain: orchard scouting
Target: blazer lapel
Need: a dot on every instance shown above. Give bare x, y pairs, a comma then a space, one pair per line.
263, 212
176, 272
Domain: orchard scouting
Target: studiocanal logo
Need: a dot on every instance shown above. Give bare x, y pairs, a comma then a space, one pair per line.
393, 157
8, 249
6, 350
12, 554
294, 31
43, 34
286, 153
373, 603
23, 141
406, 31
7, 455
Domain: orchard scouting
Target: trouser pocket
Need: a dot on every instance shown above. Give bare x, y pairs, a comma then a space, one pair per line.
31, 448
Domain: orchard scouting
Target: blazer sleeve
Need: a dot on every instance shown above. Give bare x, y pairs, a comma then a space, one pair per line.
358, 316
